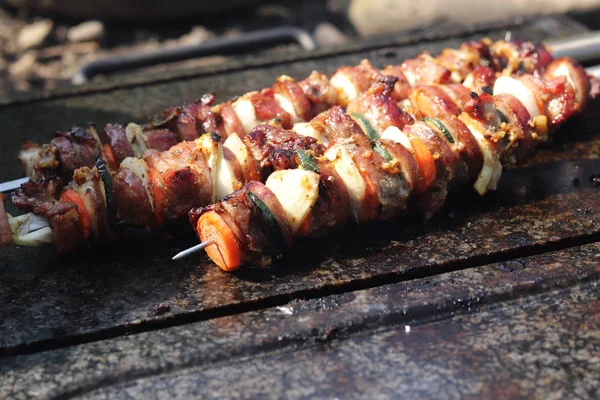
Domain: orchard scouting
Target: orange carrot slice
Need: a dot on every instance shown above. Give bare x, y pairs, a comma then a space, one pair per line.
160, 198
71, 196
426, 164
225, 250
109, 157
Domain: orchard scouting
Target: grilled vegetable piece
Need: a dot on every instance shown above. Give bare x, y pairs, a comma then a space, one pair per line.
575, 75
229, 173
307, 129
29, 157
306, 161
88, 184
492, 169
514, 87
268, 221
426, 163
225, 251
288, 94
244, 109
355, 184
400, 149
365, 125
297, 191
29, 230
351, 81
437, 124
71, 196
237, 147
431, 101
109, 193
109, 157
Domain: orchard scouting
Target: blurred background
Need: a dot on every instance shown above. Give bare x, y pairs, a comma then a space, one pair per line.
44, 43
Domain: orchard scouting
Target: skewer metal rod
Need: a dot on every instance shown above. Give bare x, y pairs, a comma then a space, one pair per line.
594, 71
193, 249
585, 47
12, 185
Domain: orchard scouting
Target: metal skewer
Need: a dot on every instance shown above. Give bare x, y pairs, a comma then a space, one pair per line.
12, 185
192, 249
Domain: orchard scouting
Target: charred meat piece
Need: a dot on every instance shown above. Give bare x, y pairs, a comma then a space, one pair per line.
376, 109
76, 148
67, 230
117, 140
319, 91
274, 147
34, 194
349, 82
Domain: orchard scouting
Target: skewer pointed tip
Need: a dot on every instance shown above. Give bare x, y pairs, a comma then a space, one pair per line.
192, 250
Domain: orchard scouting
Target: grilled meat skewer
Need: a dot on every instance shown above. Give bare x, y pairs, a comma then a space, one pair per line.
292, 102
377, 180
162, 186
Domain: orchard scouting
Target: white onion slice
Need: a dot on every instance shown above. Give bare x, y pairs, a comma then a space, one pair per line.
244, 110
306, 129
210, 149
136, 138
139, 168
492, 168
30, 230
238, 148
343, 84
225, 182
396, 135
347, 170
297, 191
288, 107
509, 85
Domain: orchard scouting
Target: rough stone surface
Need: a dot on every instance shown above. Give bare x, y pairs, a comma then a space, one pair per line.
50, 300
234, 354
544, 348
